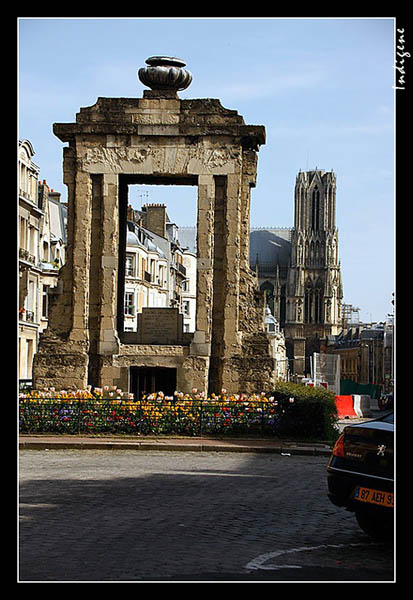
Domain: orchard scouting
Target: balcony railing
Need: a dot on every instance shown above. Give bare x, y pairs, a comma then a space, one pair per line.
25, 255
181, 269
26, 315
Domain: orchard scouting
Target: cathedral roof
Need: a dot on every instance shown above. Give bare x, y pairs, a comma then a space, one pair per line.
273, 245
270, 246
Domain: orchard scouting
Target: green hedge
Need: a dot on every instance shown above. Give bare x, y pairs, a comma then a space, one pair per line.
311, 415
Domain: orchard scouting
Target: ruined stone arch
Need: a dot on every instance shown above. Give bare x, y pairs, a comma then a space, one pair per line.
158, 138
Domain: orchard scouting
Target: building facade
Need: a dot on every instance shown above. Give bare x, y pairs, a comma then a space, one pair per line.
42, 243
366, 354
277, 339
299, 269
159, 271
146, 275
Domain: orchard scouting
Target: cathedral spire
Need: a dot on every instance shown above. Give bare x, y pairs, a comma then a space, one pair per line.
314, 278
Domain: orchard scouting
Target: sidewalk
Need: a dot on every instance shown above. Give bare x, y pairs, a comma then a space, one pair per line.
193, 444
188, 444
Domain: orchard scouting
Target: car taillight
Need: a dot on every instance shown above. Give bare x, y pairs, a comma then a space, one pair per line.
338, 449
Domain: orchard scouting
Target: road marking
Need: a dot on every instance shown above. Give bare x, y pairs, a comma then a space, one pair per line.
258, 562
38, 505
217, 474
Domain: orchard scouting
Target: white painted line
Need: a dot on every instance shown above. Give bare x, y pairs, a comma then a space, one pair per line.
216, 474
258, 562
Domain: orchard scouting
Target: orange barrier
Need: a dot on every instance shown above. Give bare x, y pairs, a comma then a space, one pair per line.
345, 407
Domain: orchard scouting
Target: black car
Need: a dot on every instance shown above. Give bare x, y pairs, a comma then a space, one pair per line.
360, 474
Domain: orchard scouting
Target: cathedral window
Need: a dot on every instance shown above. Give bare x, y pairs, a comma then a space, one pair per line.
315, 209
308, 306
313, 302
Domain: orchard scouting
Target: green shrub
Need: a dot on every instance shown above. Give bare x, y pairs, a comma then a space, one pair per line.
306, 412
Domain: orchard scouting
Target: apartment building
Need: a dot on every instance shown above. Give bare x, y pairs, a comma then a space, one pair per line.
366, 353
160, 271
147, 279
42, 241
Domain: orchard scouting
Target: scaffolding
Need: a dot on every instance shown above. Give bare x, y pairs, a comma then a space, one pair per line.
348, 310
326, 370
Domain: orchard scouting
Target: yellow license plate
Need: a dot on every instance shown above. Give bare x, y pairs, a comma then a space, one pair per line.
374, 496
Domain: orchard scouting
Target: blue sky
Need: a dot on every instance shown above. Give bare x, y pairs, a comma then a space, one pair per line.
323, 89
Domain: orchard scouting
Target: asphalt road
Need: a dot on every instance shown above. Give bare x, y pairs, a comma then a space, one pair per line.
126, 515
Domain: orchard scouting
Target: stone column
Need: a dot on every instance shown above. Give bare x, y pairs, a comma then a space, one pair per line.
108, 340
205, 244
103, 274
81, 258
62, 357
249, 169
231, 337
195, 368
232, 263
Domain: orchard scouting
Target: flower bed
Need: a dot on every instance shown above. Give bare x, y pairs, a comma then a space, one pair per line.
109, 410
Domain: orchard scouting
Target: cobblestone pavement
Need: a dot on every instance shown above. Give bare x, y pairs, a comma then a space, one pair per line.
126, 515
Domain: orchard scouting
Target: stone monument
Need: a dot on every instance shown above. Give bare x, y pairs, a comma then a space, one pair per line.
157, 139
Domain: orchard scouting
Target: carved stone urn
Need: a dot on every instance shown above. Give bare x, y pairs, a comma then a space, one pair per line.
165, 75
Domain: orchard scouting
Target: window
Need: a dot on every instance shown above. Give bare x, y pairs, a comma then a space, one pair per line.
45, 301
45, 251
129, 270
315, 209
129, 304
313, 305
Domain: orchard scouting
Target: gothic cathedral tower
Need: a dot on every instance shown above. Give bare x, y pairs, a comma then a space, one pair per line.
314, 288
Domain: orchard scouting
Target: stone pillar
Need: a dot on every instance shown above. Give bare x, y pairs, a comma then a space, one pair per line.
103, 273
205, 262
81, 257
226, 282
249, 164
62, 357
108, 339
232, 224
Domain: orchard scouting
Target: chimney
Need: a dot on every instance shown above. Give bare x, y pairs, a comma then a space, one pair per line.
42, 193
54, 195
154, 218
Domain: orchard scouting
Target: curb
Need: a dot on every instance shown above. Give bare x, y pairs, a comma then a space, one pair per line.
179, 446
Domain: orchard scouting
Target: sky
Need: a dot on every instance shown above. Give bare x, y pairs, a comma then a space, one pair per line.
322, 88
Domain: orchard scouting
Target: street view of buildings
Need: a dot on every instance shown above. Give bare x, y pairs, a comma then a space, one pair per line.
298, 268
